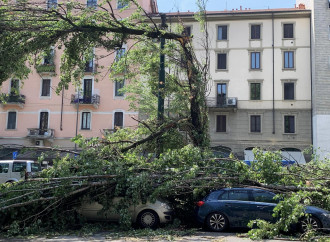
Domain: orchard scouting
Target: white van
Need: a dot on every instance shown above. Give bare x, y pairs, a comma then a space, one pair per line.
15, 170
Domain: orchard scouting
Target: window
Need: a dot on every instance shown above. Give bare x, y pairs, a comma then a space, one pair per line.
86, 120
89, 66
120, 53
255, 60
14, 87
265, 197
118, 120
186, 31
11, 122
222, 32
19, 166
4, 167
289, 124
288, 91
51, 3
221, 94
255, 123
222, 61
122, 3
45, 89
87, 91
49, 57
288, 59
43, 123
221, 123
91, 3
288, 31
255, 31
255, 91
119, 84
235, 195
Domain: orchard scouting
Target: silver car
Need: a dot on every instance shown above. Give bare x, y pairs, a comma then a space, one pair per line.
148, 215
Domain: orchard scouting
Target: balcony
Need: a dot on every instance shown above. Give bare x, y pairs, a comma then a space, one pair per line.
46, 68
86, 100
41, 133
219, 103
13, 99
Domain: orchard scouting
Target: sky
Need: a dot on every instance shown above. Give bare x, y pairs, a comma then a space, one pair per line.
219, 5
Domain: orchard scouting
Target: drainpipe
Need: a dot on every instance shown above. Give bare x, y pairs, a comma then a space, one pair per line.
311, 66
61, 124
75, 145
273, 49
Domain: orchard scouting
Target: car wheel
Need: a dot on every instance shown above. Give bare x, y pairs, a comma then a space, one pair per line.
217, 222
148, 219
309, 223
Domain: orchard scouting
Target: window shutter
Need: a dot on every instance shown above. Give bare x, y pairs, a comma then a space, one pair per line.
45, 92
11, 124
221, 123
222, 61
119, 122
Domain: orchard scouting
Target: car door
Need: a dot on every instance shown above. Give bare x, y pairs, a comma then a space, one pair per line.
4, 172
263, 205
236, 204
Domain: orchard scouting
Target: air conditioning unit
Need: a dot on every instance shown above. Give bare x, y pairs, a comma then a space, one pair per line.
39, 142
231, 101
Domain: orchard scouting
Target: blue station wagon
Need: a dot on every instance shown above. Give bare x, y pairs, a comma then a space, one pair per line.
235, 207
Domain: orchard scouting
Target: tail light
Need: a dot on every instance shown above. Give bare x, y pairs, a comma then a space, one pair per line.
200, 203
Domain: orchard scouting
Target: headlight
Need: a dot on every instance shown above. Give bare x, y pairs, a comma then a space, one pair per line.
166, 206
327, 215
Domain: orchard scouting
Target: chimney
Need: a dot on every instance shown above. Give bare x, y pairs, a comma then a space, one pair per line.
240, 8
302, 6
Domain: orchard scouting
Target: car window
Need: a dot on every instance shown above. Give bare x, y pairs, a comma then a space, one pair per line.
4, 167
19, 166
265, 197
35, 167
235, 195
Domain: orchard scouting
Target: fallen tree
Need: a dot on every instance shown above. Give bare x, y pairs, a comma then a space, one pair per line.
182, 176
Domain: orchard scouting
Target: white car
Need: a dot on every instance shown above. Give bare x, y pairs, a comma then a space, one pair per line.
16, 170
148, 215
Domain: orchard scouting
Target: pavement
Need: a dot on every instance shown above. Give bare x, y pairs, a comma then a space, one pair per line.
198, 237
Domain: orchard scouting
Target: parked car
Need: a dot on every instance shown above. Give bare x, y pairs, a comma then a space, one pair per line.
235, 207
16, 170
148, 215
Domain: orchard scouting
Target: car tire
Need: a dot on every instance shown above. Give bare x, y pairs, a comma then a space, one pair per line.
148, 219
309, 222
216, 222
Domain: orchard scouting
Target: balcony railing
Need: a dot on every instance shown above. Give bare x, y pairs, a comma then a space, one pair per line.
220, 102
41, 133
12, 99
87, 100
90, 67
46, 68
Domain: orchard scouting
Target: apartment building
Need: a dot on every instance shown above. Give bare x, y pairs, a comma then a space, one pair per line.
33, 114
259, 95
260, 92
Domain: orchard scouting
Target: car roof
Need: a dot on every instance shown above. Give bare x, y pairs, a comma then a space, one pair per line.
8, 161
240, 188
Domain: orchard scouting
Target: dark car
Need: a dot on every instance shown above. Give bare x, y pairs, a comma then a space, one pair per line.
235, 207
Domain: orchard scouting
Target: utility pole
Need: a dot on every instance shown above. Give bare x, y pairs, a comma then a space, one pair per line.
161, 84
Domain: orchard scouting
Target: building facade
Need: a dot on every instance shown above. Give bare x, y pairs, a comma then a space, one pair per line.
33, 114
260, 92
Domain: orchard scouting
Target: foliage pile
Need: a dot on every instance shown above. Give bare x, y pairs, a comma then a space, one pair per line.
181, 176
